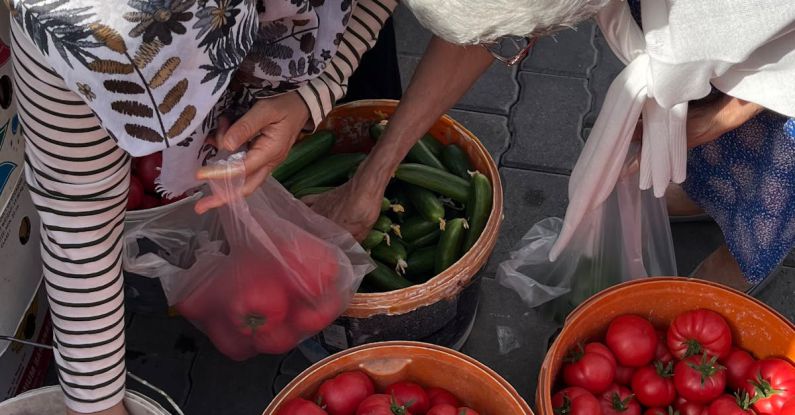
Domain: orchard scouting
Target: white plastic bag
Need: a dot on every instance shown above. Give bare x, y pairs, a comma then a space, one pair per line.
626, 237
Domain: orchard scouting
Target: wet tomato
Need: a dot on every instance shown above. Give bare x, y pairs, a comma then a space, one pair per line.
300, 406
381, 405
438, 396
772, 384
737, 364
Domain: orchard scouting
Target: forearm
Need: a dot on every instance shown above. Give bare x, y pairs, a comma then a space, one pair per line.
443, 76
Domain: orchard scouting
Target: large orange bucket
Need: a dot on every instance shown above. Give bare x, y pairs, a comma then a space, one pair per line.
446, 302
428, 365
755, 326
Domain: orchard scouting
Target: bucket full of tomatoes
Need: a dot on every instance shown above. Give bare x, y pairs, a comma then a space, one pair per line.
664, 346
407, 378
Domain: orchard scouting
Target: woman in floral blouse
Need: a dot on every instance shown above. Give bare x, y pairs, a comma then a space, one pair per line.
99, 81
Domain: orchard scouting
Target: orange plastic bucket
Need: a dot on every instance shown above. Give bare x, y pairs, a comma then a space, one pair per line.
428, 365
432, 306
755, 326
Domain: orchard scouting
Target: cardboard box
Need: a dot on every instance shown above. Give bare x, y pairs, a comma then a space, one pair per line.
20, 256
24, 367
11, 142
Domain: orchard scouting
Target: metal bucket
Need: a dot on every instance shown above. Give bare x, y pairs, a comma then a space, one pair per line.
50, 401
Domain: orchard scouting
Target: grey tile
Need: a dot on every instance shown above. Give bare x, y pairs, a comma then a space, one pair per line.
494, 92
491, 130
410, 37
693, 242
780, 291
529, 197
790, 259
569, 52
607, 67
509, 337
546, 122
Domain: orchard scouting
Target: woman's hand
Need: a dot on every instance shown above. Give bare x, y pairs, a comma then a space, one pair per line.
355, 206
708, 121
270, 127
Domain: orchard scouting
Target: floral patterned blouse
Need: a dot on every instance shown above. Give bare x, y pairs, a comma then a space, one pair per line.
157, 72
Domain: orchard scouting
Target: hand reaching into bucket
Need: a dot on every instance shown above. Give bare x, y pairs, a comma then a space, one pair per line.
355, 206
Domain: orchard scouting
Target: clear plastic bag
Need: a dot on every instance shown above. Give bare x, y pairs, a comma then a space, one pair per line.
626, 237
258, 275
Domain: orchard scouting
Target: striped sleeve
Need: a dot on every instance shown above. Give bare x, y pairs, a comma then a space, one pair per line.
367, 19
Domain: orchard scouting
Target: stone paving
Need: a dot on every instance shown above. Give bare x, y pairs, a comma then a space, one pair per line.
533, 120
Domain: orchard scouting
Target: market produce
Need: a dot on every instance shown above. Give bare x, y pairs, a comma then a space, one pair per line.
576, 401
354, 393
434, 210
143, 187
697, 384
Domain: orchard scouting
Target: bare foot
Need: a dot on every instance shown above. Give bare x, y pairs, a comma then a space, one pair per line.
679, 204
721, 267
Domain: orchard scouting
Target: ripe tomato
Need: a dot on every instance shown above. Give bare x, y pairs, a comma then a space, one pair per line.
685, 407
699, 379
148, 202
343, 394
147, 169
311, 319
278, 340
300, 406
575, 401
312, 264
466, 411
624, 375
788, 408
737, 364
633, 340
443, 409
135, 195
654, 386
662, 354
772, 383
410, 395
730, 405
259, 302
438, 396
592, 368
618, 400
381, 405
694, 332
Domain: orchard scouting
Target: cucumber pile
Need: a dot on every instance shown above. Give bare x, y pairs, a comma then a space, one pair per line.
433, 212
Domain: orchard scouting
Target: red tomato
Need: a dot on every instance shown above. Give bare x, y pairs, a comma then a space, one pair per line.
381, 405
466, 411
148, 202
699, 379
278, 340
313, 266
618, 400
730, 405
661, 411
788, 408
686, 407
147, 169
135, 195
662, 354
592, 368
694, 332
575, 401
632, 339
624, 375
654, 386
443, 409
410, 395
310, 319
260, 303
438, 396
300, 406
773, 381
343, 394
737, 364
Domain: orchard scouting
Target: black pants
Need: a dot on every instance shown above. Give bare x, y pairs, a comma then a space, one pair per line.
378, 75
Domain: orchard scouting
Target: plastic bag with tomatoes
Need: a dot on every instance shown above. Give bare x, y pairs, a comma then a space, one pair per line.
626, 237
282, 275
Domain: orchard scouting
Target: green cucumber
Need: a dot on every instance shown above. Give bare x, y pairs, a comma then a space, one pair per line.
385, 279
426, 240
421, 153
456, 161
326, 171
430, 178
421, 262
374, 238
394, 255
427, 204
312, 191
383, 224
401, 200
377, 129
303, 154
449, 249
478, 208
433, 144
416, 227
385, 205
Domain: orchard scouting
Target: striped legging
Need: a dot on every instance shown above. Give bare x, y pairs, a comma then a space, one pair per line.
78, 178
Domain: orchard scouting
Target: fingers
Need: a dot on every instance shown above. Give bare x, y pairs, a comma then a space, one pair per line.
205, 204
220, 130
248, 126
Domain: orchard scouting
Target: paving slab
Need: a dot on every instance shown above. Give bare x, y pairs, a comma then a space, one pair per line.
693, 242
546, 122
780, 292
491, 130
606, 68
412, 38
569, 52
